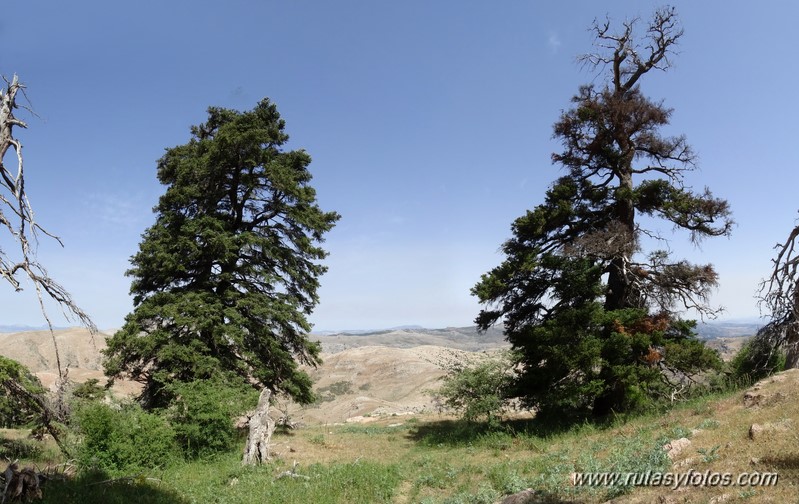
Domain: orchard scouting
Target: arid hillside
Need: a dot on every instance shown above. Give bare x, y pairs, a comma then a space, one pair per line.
79, 351
362, 376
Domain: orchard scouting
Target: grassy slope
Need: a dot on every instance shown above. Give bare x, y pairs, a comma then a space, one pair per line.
431, 459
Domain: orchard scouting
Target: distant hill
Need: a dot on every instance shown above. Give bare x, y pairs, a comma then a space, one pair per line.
372, 372
714, 330
467, 338
460, 338
464, 338
27, 328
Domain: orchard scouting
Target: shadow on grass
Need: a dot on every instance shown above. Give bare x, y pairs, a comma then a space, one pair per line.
461, 433
536, 497
99, 488
787, 466
13, 449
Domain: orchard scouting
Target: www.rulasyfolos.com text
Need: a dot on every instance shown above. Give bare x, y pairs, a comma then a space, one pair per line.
676, 480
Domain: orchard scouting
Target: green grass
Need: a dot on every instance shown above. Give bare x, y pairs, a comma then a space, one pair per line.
225, 480
415, 462
430, 460
357, 482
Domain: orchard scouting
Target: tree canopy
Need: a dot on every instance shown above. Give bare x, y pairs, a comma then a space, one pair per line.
224, 280
592, 313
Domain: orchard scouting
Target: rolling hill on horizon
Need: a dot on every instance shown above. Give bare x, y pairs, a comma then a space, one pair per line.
708, 330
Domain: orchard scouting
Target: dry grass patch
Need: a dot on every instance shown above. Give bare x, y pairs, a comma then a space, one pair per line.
434, 459
722, 443
443, 462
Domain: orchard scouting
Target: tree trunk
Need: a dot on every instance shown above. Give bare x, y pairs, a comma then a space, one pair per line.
619, 294
791, 343
791, 346
261, 428
24, 485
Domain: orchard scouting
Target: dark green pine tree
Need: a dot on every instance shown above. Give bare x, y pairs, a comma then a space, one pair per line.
592, 316
225, 278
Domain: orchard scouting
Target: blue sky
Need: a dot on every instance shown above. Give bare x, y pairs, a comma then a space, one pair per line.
429, 124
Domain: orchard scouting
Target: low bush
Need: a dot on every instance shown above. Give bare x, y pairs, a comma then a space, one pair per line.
90, 390
202, 415
123, 439
20, 391
478, 390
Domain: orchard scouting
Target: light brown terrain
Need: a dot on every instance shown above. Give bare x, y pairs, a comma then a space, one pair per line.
366, 383
362, 377
79, 351
727, 346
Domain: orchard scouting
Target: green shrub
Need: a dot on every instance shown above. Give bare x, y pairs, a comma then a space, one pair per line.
507, 479
202, 415
11, 449
756, 359
478, 391
338, 388
19, 390
125, 439
89, 390
330, 392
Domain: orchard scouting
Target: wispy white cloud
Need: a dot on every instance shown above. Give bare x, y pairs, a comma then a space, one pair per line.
118, 210
553, 42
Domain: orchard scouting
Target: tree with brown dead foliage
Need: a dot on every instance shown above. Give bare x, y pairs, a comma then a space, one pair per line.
576, 268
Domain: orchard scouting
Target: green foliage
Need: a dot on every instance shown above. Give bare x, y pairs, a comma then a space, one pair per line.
756, 359
709, 424
203, 411
478, 390
330, 392
507, 478
485, 494
14, 449
710, 455
590, 361
124, 439
636, 455
94, 487
591, 315
89, 390
402, 464
226, 277
21, 394
338, 388
639, 453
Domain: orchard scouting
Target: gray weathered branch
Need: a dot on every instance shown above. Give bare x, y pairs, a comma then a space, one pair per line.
17, 217
630, 60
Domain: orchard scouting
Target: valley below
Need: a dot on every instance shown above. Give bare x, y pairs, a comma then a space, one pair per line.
364, 375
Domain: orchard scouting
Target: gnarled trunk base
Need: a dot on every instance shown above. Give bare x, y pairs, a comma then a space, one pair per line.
24, 485
261, 428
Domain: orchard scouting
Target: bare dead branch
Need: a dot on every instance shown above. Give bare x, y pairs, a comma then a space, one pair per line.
629, 59
779, 297
17, 216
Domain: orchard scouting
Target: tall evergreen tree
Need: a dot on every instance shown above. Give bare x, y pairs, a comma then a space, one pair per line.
592, 317
225, 278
